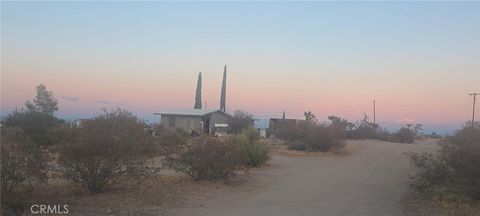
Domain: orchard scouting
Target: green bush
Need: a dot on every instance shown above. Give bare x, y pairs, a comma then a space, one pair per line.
257, 152
453, 169
240, 140
251, 133
206, 158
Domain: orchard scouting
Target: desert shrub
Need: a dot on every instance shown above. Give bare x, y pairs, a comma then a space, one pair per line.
364, 132
206, 158
159, 129
404, 135
22, 162
295, 131
453, 169
113, 144
310, 135
342, 125
289, 131
251, 133
364, 129
240, 121
416, 128
37, 119
257, 152
39, 126
384, 134
434, 135
169, 139
431, 170
320, 138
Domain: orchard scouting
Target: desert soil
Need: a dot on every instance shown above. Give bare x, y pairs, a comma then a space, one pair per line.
371, 179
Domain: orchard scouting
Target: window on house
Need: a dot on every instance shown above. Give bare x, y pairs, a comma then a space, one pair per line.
171, 121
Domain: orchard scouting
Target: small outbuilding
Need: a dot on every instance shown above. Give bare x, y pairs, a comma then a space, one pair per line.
200, 121
276, 124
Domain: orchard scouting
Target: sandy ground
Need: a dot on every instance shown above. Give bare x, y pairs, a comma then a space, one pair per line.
370, 180
368, 177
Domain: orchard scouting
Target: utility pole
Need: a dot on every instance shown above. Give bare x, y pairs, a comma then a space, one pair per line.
374, 117
473, 113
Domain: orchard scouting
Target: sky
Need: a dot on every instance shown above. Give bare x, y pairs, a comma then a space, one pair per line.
418, 60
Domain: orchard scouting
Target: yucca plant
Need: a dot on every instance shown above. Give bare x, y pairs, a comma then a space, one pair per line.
251, 133
257, 151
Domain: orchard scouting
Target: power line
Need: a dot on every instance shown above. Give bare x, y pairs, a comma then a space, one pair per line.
396, 105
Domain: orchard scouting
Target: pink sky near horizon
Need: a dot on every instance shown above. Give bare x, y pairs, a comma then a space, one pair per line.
264, 96
418, 60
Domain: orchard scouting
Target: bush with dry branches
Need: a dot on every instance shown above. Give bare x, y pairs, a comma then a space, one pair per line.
112, 145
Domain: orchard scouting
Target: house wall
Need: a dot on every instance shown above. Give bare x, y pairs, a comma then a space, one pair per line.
217, 118
275, 124
183, 122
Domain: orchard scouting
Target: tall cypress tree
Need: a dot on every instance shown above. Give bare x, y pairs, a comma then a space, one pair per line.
224, 90
198, 93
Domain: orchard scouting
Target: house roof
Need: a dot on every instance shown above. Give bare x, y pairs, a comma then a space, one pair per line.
286, 119
188, 112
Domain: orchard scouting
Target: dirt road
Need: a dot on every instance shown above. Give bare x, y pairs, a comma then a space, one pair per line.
370, 181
